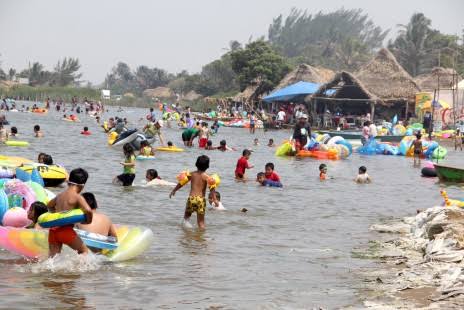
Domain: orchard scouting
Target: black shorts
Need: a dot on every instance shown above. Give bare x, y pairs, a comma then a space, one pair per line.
252, 125
126, 178
417, 152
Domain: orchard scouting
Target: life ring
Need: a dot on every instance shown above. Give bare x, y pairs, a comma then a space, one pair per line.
141, 157
96, 240
169, 149
57, 219
16, 143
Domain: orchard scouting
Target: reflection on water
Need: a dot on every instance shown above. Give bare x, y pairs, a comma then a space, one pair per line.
291, 249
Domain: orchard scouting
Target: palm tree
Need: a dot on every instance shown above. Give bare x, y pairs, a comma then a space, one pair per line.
409, 46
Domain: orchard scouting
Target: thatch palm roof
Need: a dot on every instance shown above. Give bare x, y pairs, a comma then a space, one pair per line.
384, 77
250, 93
306, 73
346, 85
159, 92
429, 81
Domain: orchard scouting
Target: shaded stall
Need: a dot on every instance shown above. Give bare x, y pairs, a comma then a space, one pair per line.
346, 91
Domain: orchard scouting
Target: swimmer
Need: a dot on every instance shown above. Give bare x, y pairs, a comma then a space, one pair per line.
47, 159
101, 224
86, 131
271, 143
196, 201
145, 149
68, 200
40, 158
362, 176
37, 132
128, 175
216, 205
322, 172
256, 141
417, 148
152, 178
270, 174
223, 146
261, 179
209, 145
170, 144
242, 165
37, 209
13, 132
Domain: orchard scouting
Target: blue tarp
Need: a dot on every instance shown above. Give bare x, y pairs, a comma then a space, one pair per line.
292, 91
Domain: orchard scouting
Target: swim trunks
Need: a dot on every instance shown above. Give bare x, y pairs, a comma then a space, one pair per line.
202, 142
126, 178
196, 204
62, 235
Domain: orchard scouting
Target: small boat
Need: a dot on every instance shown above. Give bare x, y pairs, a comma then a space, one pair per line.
353, 135
449, 174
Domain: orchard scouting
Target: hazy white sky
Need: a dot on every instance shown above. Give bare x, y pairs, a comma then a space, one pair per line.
172, 34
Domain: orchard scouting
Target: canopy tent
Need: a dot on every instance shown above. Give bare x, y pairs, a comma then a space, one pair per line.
293, 91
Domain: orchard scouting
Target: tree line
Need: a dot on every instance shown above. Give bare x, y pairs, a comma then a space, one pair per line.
340, 40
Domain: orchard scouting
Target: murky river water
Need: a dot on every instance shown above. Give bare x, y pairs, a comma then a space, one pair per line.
291, 250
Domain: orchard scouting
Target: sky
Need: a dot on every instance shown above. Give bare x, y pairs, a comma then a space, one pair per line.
173, 35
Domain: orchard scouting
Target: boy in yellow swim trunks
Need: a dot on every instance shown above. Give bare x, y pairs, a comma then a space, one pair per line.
196, 202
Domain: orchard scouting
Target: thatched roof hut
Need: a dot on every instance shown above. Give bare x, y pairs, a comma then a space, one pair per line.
384, 77
306, 73
191, 96
439, 76
345, 86
159, 92
250, 93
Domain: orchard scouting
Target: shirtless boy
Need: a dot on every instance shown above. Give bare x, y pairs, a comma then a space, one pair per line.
101, 224
65, 201
196, 202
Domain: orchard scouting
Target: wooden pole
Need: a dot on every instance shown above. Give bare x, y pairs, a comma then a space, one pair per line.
372, 111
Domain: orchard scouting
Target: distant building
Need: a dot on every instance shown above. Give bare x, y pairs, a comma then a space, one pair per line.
105, 94
23, 81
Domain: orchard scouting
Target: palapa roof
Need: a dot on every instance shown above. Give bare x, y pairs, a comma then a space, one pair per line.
384, 77
429, 81
159, 92
306, 73
346, 85
249, 93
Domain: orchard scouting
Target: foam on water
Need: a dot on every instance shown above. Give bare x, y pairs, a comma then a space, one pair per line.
67, 262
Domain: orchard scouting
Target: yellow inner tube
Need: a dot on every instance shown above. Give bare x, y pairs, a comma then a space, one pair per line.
47, 172
169, 149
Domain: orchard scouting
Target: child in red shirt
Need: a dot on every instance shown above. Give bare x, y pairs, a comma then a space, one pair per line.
242, 165
270, 174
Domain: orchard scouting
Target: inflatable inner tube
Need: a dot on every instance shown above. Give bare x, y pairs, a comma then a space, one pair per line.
57, 219
141, 157
97, 241
428, 172
125, 137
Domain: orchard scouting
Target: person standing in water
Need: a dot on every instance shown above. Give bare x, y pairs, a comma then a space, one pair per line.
417, 149
196, 202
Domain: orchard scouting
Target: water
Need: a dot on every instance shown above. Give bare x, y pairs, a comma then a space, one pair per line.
292, 249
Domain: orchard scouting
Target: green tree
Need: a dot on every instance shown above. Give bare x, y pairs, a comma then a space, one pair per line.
410, 46
150, 78
11, 74
66, 72
121, 79
259, 61
2, 75
339, 40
